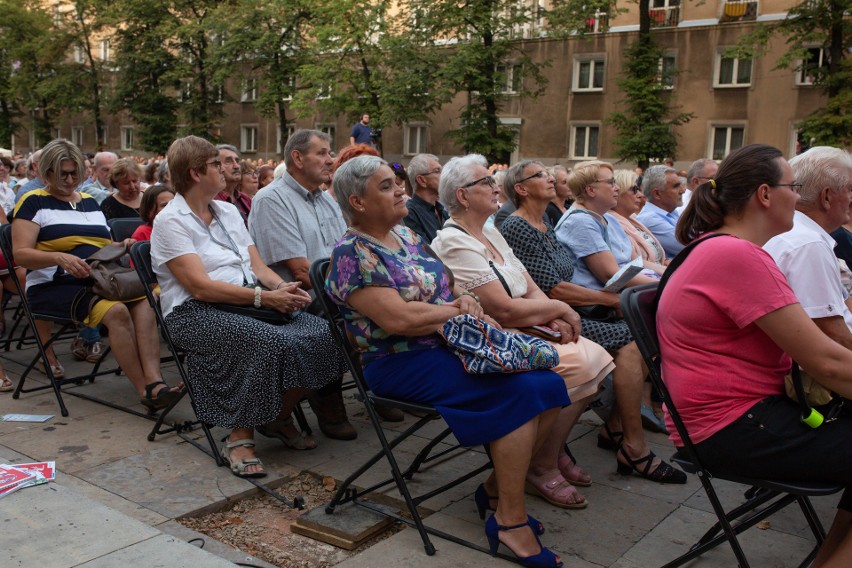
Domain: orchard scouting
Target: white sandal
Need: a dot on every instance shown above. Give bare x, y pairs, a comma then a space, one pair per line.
6, 384
238, 467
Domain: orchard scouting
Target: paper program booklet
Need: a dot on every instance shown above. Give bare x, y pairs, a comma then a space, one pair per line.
625, 274
20, 475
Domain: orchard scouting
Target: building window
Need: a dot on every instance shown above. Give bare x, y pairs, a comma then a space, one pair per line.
807, 70
220, 94
584, 141
57, 133
667, 70
589, 74
329, 129
185, 92
105, 50
290, 89
126, 138
79, 54
510, 78
415, 139
664, 13
249, 90
279, 143
732, 71
726, 139
248, 138
77, 136
598, 23
324, 92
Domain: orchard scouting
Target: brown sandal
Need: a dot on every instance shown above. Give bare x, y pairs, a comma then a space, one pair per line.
239, 467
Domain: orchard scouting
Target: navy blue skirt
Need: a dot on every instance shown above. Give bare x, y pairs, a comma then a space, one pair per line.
478, 408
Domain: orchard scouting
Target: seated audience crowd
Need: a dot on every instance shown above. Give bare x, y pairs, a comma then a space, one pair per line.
413, 245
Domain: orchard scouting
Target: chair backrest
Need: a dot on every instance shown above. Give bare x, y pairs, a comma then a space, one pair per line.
140, 254
6, 248
639, 307
123, 228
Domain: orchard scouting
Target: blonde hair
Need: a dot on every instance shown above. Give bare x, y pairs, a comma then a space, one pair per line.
583, 175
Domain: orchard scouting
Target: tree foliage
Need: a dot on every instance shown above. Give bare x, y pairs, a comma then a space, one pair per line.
814, 23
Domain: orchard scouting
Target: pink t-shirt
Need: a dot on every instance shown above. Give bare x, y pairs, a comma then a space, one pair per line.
716, 362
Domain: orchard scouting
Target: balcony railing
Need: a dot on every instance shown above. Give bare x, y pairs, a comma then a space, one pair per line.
739, 10
666, 17
597, 24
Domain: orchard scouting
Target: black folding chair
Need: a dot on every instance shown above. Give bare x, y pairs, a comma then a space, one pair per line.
140, 254
65, 328
765, 496
346, 492
123, 228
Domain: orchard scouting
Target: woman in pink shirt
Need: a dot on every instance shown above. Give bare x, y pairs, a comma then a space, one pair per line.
728, 323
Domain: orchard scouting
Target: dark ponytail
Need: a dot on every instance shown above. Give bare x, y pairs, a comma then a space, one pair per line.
739, 176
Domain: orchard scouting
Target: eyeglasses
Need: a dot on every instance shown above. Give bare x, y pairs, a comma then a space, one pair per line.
539, 174
610, 181
215, 162
797, 187
68, 175
489, 180
636, 190
429, 173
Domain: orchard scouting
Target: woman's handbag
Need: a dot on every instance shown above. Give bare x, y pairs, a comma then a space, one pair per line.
110, 278
483, 348
598, 312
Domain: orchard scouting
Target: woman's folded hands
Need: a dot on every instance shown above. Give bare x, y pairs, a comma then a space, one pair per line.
286, 299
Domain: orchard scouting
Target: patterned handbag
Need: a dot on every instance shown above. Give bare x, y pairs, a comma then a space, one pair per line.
483, 348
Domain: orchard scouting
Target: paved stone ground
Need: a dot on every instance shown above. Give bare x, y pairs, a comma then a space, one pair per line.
117, 495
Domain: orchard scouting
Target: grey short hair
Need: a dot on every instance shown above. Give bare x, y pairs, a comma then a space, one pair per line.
230, 147
455, 174
34, 159
655, 178
101, 155
56, 152
512, 175
418, 166
555, 169
163, 171
821, 167
351, 179
697, 168
300, 141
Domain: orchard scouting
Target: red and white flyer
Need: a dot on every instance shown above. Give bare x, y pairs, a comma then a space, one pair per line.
11, 477
44, 471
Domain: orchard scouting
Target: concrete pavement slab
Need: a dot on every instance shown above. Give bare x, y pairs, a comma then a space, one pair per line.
162, 551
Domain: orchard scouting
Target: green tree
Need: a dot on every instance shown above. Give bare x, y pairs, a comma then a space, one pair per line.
144, 80
364, 57
267, 39
483, 60
826, 26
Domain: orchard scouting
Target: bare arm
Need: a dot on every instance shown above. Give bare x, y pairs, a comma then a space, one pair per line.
603, 266
835, 327
300, 268
190, 273
24, 238
396, 316
827, 361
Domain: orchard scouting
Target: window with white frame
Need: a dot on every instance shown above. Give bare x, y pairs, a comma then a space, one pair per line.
127, 137
290, 89
724, 139
416, 136
510, 78
732, 71
77, 136
589, 74
105, 50
249, 93
79, 54
220, 94
279, 142
667, 70
585, 141
324, 92
185, 92
248, 138
815, 58
57, 133
329, 129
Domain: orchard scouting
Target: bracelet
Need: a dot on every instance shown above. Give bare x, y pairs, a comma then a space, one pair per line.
280, 284
257, 297
471, 294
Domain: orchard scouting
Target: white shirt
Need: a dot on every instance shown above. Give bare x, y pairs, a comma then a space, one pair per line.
178, 231
805, 254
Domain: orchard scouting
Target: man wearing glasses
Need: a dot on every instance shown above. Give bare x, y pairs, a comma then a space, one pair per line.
664, 190
805, 254
426, 215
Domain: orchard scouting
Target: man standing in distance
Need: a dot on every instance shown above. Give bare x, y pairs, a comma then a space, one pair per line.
230, 158
361, 132
294, 222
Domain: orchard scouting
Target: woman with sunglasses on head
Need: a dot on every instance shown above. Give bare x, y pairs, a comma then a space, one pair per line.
551, 267
726, 322
645, 244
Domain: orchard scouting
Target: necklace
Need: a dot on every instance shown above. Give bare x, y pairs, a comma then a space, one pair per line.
73, 205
